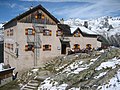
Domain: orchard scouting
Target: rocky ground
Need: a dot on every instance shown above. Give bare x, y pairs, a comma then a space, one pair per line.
98, 70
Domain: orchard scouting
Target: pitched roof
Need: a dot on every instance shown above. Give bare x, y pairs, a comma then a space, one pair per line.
83, 30
30, 11
65, 28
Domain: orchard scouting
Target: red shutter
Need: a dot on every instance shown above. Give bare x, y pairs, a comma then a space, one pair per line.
26, 47
26, 31
49, 47
33, 32
50, 33
43, 47
56, 33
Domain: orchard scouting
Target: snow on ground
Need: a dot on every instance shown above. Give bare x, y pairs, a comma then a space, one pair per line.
52, 85
114, 83
75, 68
1, 66
100, 75
110, 63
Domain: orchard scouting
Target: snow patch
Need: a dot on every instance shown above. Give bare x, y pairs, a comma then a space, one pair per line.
110, 63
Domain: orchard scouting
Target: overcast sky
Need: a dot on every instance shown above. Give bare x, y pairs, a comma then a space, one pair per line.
84, 9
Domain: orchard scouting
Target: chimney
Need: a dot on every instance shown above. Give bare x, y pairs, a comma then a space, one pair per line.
31, 7
62, 21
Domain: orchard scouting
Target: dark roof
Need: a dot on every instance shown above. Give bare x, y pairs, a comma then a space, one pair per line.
65, 28
32, 10
85, 34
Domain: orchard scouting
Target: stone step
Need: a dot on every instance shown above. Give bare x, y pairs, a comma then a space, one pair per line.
27, 89
30, 87
34, 81
33, 84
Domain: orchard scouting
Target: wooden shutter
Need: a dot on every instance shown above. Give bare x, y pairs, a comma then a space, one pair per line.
8, 45
7, 33
50, 32
56, 33
33, 32
26, 31
26, 47
74, 35
78, 46
42, 17
49, 47
43, 47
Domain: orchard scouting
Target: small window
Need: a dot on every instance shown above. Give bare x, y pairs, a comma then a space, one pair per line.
77, 34
11, 32
8, 45
7, 33
11, 46
29, 31
76, 46
29, 47
46, 47
59, 33
47, 32
88, 46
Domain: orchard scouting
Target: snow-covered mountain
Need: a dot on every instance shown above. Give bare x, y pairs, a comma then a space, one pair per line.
108, 27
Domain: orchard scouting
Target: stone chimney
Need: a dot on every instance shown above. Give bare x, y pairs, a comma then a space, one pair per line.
62, 21
31, 7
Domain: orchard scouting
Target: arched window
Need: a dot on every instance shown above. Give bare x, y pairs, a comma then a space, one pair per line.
88, 46
76, 46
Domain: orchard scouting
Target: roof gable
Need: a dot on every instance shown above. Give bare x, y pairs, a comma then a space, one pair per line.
31, 11
83, 33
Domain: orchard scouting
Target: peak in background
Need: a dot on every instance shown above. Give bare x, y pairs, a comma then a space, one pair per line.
108, 27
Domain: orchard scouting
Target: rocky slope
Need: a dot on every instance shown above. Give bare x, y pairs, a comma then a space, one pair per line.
97, 70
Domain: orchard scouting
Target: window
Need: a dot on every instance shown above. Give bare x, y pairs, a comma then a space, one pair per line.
77, 34
29, 31
11, 46
39, 15
11, 32
29, 47
88, 46
59, 33
47, 32
76, 46
7, 33
47, 47
8, 45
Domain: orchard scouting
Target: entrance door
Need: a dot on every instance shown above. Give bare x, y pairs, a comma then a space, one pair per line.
63, 51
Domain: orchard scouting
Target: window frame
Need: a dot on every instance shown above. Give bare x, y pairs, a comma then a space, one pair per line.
47, 32
29, 47
8, 33
11, 32
27, 32
59, 33
89, 46
11, 47
77, 34
76, 46
48, 47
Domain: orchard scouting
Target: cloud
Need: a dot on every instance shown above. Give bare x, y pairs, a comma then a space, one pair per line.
93, 10
11, 5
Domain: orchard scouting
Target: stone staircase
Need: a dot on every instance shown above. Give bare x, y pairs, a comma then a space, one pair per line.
31, 85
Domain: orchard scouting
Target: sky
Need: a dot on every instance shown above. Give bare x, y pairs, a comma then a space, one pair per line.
83, 9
